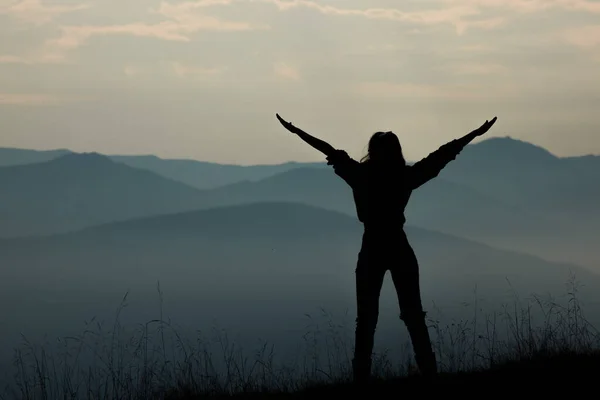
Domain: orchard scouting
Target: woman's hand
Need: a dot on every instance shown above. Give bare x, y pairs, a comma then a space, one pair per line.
316, 143
287, 125
485, 127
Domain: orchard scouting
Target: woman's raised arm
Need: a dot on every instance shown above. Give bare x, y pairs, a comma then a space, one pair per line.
430, 166
316, 143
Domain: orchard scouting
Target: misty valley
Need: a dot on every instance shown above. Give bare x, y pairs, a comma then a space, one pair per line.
267, 253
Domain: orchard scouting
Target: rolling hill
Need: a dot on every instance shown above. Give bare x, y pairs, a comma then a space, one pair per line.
205, 175
10, 156
500, 191
504, 172
255, 270
303, 253
529, 176
78, 190
199, 174
440, 204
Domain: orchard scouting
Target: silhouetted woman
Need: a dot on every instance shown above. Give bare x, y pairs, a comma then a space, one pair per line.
382, 183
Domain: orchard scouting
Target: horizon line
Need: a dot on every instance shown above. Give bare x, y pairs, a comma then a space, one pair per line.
66, 149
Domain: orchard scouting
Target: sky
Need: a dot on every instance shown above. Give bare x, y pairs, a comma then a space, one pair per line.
203, 79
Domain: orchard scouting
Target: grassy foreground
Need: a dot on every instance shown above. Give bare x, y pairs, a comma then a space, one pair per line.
542, 345
557, 374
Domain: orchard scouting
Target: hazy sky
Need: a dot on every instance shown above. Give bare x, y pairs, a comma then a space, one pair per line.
203, 79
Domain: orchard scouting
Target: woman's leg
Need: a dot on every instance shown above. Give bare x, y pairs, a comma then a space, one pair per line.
369, 280
405, 276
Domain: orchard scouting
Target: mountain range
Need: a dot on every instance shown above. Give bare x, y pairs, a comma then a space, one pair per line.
199, 174
257, 247
78, 190
501, 191
257, 267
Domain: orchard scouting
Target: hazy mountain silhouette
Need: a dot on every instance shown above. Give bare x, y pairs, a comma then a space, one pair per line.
206, 175
260, 266
514, 162
523, 174
502, 191
267, 244
512, 172
583, 163
78, 190
441, 204
308, 229
83, 189
14, 156
252, 239
199, 174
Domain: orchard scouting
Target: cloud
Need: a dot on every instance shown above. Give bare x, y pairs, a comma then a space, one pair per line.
183, 70
285, 71
133, 70
479, 69
73, 37
387, 90
531, 6
27, 99
446, 11
31, 59
421, 17
178, 24
179, 21
176, 69
12, 59
483, 24
34, 12
463, 15
454, 15
587, 37
475, 48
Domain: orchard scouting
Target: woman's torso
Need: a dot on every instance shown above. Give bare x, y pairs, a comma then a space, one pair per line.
381, 195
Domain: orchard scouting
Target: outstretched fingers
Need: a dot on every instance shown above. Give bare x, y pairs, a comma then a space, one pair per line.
283, 121
492, 122
286, 124
486, 126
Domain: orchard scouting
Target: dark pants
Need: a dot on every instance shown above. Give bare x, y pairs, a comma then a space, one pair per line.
384, 250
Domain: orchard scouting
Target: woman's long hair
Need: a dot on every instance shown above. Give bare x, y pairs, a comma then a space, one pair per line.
384, 149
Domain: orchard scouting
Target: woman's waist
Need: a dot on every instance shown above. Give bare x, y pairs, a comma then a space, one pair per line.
384, 223
384, 230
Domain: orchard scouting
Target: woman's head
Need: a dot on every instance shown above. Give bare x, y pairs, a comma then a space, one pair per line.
385, 147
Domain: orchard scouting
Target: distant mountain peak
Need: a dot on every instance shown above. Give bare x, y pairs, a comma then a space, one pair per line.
509, 146
87, 158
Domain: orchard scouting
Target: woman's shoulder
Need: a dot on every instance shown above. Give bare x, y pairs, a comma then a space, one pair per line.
338, 157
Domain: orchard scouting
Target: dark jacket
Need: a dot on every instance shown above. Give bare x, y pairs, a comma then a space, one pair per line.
381, 192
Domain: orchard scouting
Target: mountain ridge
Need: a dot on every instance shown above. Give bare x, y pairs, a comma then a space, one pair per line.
508, 140
76, 190
280, 213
